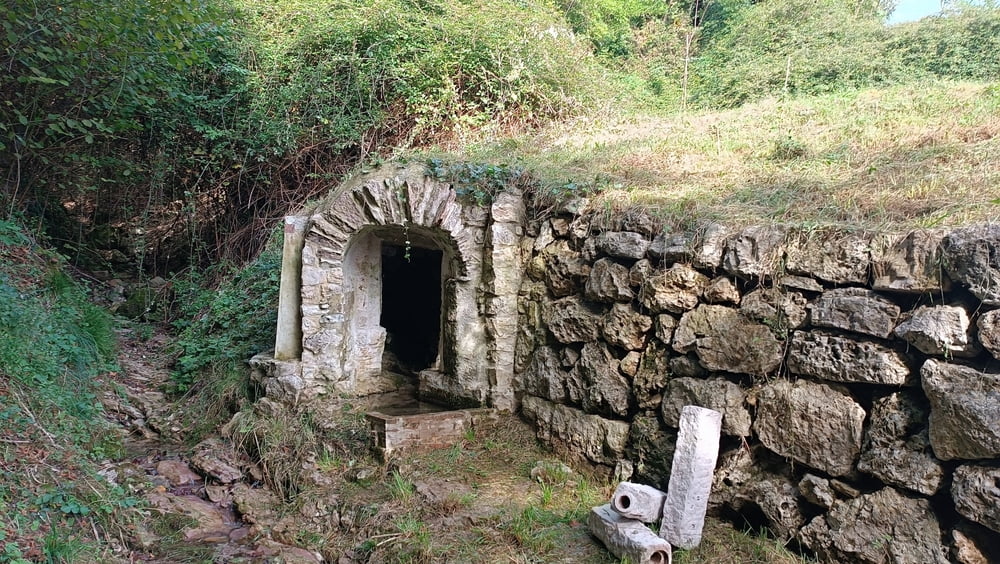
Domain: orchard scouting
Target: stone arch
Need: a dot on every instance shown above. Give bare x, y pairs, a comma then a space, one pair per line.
340, 285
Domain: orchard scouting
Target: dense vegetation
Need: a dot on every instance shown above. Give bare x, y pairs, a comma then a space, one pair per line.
165, 136
168, 138
56, 350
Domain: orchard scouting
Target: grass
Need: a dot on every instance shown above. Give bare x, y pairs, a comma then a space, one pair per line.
918, 155
496, 495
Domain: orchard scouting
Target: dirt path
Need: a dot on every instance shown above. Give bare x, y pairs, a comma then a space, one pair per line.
188, 489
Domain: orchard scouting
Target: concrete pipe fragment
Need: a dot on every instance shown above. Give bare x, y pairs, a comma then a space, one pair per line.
691, 476
638, 501
628, 538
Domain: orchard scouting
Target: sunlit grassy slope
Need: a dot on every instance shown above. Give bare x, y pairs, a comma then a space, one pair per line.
915, 155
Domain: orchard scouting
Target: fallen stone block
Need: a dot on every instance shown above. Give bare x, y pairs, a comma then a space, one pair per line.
638, 501
627, 538
691, 476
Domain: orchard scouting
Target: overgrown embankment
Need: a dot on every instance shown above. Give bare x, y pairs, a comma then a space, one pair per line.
56, 349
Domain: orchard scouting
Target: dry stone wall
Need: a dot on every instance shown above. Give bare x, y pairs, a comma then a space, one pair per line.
855, 373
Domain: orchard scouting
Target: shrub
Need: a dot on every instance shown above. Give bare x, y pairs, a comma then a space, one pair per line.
963, 43
222, 325
337, 70
778, 47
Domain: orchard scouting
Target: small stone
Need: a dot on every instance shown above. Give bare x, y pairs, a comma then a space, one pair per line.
177, 472
721, 290
817, 491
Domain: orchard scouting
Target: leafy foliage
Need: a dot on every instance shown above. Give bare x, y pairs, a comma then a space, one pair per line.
221, 327
791, 47
962, 44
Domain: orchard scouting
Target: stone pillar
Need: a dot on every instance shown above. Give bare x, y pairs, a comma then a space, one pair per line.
288, 343
638, 501
691, 475
628, 538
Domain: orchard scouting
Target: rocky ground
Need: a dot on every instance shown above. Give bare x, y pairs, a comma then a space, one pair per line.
495, 496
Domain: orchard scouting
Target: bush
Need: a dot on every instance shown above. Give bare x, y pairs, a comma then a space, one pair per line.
611, 24
337, 70
221, 326
964, 43
778, 47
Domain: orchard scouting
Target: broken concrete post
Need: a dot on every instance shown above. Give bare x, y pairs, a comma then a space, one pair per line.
628, 538
288, 343
638, 501
691, 476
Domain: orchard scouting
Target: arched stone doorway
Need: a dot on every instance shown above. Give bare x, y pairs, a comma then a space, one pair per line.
400, 277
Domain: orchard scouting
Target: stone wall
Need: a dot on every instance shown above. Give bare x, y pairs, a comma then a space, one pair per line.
854, 372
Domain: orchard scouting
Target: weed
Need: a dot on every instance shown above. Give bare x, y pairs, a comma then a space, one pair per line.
400, 488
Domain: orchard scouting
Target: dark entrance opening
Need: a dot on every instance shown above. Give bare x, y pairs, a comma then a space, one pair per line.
411, 304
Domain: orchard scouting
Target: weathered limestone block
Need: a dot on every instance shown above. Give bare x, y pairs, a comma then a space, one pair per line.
671, 247
817, 491
989, 332
600, 440
626, 538
725, 340
651, 377
910, 263
676, 290
976, 491
565, 269
691, 476
626, 328
816, 424
572, 320
651, 449
972, 257
608, 282
718, 394
965, 409
544, 377
972, 544
884, 527
709, 245
800, 283
841, 359
721, 290
855, 309
638, 501
687, 366
637, 220
217, 460
755, 252
896, 448
596, 383
623, 244
837, 257
665, 325
779, 310
940, 330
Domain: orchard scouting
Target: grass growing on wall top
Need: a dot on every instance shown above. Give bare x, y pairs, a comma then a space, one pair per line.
901, 156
